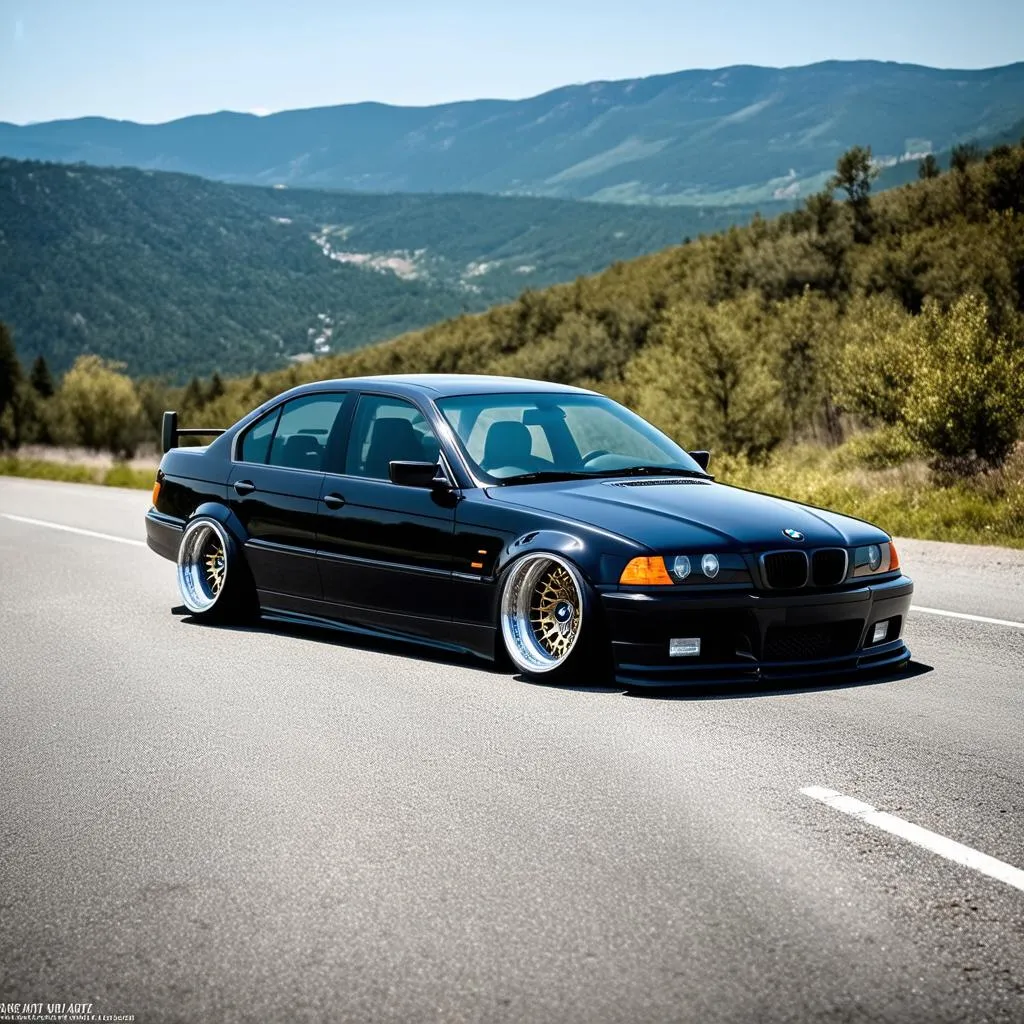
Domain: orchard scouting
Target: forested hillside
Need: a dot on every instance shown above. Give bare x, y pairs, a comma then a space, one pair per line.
175, 275
736, 134
865, 355
901, 311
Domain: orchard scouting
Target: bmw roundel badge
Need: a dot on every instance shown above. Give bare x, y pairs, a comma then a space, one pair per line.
793, 534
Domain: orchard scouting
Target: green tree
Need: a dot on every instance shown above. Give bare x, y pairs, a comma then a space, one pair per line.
877, 360
928, 167
854, 174
963, 155
192, 398
216, 388
802, 332
101, 406
966, 400
41, 378
709, 380
10, 382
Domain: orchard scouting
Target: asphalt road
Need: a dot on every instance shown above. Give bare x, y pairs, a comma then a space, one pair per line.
212, 824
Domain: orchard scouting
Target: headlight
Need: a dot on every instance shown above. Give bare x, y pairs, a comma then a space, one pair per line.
709, 566
681, 567
875, 558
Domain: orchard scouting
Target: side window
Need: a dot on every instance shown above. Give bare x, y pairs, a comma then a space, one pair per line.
256, 442
304, 431
386, 430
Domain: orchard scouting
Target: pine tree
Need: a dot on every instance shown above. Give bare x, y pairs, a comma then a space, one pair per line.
40, 378
854, 174
192, 398
963, 156
10, 380
928, 167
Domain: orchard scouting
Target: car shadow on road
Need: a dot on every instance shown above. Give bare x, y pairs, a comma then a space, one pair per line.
414, 650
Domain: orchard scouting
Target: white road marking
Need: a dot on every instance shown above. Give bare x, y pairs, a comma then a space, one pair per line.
948, 848
73, 529
964, 615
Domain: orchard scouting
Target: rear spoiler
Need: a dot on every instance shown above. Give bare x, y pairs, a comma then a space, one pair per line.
170, 432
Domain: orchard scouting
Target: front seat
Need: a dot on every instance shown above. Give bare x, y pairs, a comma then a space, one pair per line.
301, 451
509, 443
393, 439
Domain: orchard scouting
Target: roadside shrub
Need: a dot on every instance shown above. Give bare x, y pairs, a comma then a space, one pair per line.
101, 409
878, 449
966, 400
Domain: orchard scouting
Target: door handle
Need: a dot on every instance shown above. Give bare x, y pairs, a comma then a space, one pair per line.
244, 487
333, 500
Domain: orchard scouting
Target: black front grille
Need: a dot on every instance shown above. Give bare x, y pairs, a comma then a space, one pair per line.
785, 570
811, 643
828, 567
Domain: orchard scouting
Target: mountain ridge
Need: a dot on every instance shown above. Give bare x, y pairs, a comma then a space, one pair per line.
700, 136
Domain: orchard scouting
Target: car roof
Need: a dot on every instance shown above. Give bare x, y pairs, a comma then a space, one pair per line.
445, 385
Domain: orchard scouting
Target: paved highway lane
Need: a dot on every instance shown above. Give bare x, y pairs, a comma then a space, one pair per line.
282, 824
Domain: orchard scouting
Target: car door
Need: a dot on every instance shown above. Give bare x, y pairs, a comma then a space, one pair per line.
274, 488
385, 550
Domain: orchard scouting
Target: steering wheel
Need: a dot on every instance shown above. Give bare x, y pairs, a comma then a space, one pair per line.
596, 454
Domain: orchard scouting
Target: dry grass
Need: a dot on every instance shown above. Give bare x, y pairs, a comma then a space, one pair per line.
113, 475
906, 499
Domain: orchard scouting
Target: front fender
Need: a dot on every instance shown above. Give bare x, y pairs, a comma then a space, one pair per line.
574, 548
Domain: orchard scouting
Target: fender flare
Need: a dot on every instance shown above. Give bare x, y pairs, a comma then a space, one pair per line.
556, 541
224, 516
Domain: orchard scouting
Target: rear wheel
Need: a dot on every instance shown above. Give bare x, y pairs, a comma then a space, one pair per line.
547, 617
212, 576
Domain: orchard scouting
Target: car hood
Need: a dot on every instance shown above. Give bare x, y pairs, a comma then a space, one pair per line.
685, 513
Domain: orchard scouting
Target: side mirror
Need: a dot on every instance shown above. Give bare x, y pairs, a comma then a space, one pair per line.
415, 474
701, 458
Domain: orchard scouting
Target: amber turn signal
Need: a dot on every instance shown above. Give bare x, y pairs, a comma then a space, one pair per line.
156, 492
646, 572
894, 559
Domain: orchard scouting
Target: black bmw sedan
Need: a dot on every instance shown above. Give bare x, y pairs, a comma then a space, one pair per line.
510, 517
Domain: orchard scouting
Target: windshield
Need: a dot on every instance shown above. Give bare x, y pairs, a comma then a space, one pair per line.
517, 438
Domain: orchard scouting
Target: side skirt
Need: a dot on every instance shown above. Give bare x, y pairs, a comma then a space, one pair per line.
444, 635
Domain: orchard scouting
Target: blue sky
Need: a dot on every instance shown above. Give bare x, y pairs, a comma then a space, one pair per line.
153, 60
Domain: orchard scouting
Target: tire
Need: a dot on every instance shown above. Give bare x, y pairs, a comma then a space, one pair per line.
548, 620
213, 578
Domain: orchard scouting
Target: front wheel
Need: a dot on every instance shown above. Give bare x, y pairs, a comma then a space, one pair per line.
547, 616
212, 575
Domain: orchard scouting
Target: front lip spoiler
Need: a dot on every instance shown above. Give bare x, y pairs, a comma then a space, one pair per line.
894, 654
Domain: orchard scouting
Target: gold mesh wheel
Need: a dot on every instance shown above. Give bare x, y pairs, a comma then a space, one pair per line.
202, 565
541, 612
214, 565
555, 611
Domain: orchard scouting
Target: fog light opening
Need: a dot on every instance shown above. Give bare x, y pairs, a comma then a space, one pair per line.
684, 647
880, 632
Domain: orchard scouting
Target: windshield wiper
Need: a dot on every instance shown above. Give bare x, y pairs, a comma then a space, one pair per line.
550, 475
545, 476
652, 471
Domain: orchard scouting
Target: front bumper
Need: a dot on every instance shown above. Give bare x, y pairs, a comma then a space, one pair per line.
748, 636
